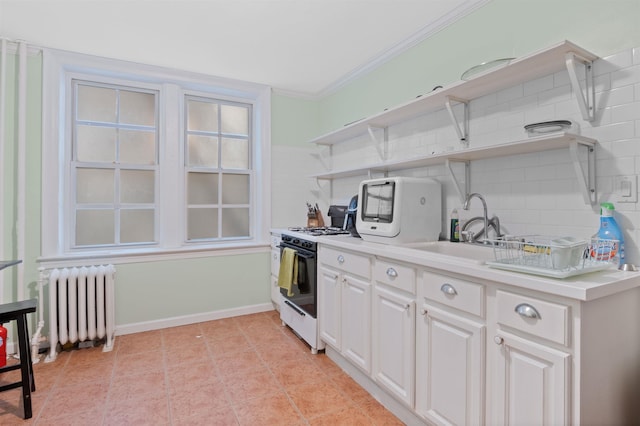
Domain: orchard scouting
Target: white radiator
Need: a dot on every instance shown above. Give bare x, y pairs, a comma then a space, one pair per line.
81, 306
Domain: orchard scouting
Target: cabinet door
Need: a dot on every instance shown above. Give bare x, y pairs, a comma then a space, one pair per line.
450, 386
531, 383
394, 343
329, 303
356, 322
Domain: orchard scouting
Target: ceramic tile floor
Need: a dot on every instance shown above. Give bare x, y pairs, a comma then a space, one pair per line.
246, 370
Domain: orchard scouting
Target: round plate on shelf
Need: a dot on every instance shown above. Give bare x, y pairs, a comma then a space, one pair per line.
548, 126
477, 69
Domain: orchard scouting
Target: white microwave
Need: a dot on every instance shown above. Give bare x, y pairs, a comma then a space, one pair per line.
399, 210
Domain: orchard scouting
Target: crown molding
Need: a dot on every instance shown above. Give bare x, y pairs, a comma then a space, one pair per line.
384, 57
13, 46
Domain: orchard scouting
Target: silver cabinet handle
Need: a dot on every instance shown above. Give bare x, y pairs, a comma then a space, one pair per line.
448, 289
392, 272
423, 312
498, 340
407, 306
527, 311
340, 259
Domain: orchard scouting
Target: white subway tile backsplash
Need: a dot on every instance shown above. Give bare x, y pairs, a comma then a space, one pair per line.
539, 114
602, 83
534, 193
626, 76
510, 94
620, 96
538, 85
613, 63
554, 95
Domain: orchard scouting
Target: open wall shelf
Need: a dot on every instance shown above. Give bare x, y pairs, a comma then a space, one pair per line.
535, 65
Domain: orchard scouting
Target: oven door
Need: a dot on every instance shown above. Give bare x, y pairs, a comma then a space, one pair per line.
305, 292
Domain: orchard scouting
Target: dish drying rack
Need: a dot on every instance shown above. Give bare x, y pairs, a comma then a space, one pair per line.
552, 256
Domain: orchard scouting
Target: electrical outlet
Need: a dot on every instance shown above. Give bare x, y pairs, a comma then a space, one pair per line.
625, 189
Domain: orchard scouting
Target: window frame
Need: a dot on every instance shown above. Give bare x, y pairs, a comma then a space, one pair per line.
60, 68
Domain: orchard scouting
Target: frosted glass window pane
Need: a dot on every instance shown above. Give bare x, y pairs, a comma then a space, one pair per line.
94, 186
137, 147
137, 108
203, 151
202, 116
137, 226
202, 188
95, 144
235, 119
96, 104
235, 223
137, 186
94, 227
235, 189
235, 153
202, 223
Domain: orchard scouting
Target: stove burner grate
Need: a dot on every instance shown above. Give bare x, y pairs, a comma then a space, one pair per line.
321, 230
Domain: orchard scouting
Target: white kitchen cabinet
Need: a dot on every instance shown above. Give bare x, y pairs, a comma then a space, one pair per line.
531, 383
475, 345
344, 305
450, 351
531, 375
394, 330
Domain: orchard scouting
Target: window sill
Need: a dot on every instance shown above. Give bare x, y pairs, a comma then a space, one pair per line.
150, 255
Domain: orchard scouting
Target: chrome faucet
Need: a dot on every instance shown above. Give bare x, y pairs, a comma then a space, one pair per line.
485, 216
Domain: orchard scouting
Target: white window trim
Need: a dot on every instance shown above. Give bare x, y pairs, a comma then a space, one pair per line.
58, 66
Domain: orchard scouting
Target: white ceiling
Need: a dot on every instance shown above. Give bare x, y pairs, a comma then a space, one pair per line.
307, 47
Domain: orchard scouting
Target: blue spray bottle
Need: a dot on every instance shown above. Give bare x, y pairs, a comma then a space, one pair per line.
609, 230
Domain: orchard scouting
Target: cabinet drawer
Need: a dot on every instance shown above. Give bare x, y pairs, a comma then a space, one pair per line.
459, 294
347, 261
395, 275
534, 316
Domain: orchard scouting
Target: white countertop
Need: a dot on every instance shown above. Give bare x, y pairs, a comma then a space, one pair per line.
584, 287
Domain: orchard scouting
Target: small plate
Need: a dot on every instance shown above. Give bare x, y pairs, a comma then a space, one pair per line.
477, 69
548, 126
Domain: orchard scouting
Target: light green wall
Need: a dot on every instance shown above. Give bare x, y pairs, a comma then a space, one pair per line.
295, 121
152, 291
501, 28
33, 179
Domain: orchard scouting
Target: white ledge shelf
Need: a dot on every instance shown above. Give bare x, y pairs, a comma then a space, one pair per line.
558, 140
520, 70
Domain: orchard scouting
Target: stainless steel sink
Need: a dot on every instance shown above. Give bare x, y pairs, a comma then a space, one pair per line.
475, 253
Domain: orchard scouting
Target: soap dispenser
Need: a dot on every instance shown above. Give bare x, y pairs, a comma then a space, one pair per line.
454, 237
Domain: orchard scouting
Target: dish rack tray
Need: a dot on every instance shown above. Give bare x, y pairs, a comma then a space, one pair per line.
553, 257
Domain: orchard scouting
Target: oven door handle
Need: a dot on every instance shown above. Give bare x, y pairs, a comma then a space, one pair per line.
295, 308
302, 253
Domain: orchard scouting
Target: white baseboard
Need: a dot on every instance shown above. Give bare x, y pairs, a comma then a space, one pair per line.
191, 319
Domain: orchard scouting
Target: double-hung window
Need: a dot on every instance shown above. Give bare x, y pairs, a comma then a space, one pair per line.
114, 168
218, 169
144, 160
